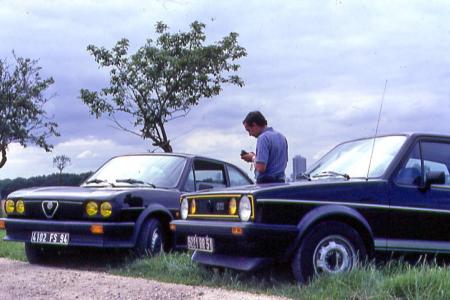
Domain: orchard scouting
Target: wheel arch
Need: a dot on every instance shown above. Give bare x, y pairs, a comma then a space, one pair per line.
154, 211
343, 214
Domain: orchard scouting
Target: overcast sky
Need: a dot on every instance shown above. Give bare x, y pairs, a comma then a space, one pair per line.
316, 69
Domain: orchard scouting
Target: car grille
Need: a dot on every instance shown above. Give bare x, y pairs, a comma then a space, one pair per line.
63, 210
213, 206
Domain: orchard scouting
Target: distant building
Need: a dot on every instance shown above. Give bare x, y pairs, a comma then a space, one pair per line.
299, 166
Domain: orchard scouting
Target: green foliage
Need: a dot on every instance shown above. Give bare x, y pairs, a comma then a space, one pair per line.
8, 186
11, 250
22, 116
163, 79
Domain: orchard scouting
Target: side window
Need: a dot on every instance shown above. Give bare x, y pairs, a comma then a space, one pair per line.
410, 173
189, 186
209, 173
436, 157
236, 177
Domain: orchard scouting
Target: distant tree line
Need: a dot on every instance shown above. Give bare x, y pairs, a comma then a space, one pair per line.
8, 186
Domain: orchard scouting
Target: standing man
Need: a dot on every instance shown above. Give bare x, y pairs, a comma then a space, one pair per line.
271, 149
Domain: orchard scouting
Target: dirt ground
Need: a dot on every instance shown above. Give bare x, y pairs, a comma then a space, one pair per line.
19, 280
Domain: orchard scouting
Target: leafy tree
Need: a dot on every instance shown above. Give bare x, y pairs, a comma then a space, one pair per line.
22, 116
163, 79
61, 162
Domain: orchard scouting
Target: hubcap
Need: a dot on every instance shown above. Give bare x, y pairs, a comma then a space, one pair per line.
155, 242
334, 254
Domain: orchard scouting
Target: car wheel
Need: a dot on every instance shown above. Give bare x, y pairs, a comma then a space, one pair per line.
328, 248
152, 239
39, 254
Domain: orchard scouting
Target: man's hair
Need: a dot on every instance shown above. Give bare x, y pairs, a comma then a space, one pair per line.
255, 117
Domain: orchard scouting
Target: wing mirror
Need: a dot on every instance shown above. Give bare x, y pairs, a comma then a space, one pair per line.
433, 177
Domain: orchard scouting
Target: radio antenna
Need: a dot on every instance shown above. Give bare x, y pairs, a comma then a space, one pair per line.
376, 130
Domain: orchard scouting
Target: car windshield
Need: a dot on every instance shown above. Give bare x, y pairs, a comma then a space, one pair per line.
150, 170
351, 159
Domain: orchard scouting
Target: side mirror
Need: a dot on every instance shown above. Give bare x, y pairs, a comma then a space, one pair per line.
433, 177
204, 186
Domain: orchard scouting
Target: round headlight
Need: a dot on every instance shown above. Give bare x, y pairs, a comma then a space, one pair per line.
91, 208
9, 206
106, 209
193, 207
232, 206
184, 208
20, 207
245, 209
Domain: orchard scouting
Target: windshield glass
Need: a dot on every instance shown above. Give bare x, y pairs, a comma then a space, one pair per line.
157, 170
352, 158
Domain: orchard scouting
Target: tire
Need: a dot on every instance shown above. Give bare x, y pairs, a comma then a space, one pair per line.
328, 248
152, 239
39, 254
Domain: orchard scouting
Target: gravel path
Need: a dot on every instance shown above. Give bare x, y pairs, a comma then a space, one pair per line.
19, 280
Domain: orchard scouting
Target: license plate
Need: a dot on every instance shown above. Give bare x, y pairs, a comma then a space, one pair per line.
201, 243
54, 238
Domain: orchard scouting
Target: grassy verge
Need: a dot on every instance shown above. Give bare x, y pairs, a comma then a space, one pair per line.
394, 280
11, 250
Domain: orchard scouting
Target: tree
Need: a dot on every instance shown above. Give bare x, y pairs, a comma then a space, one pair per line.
163, 80
22, 116
61, 162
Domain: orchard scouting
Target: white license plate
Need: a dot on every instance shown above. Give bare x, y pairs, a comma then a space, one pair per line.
54, 238
201, 243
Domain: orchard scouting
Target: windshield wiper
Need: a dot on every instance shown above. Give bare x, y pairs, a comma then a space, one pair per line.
96, 180
135, 181
331, 173
303, 176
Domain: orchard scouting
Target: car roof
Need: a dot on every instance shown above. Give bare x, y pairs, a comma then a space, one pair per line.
185, 155
407, 134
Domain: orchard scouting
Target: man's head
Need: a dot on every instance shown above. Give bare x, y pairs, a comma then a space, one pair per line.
255, 123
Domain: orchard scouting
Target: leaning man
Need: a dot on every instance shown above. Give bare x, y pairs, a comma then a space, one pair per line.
271, 155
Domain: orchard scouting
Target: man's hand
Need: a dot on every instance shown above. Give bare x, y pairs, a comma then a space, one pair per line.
248, 157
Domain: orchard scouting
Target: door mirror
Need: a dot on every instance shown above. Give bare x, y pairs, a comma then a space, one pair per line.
433, 177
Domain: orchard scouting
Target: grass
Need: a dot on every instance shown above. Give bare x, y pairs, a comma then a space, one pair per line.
393, 280
11, 250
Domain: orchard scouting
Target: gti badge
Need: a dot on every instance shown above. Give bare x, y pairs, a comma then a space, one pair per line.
49, 208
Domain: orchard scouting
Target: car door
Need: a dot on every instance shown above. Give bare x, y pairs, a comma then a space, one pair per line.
420, 218
205, 174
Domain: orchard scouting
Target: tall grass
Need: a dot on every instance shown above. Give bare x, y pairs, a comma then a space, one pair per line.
393, 280
11, 250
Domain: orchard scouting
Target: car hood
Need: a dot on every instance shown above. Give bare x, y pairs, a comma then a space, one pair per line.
75, 193
298, 187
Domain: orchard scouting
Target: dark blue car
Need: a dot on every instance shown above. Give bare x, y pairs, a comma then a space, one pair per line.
386, 194
127, 203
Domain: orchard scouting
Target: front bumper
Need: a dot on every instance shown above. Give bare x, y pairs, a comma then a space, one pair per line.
115, 234
253, 248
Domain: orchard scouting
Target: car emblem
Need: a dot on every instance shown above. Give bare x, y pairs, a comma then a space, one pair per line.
49, 208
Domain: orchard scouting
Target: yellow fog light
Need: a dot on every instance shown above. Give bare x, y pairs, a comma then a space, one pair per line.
20, 207
106, 209
193, 207
232, 206
91, 208
9, 206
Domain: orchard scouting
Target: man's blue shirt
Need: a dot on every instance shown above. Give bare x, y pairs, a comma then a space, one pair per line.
272, 150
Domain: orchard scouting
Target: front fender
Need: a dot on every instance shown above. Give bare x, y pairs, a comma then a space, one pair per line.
330, 212
150, 210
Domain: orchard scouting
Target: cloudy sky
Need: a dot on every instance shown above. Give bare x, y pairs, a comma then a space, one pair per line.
316, 69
